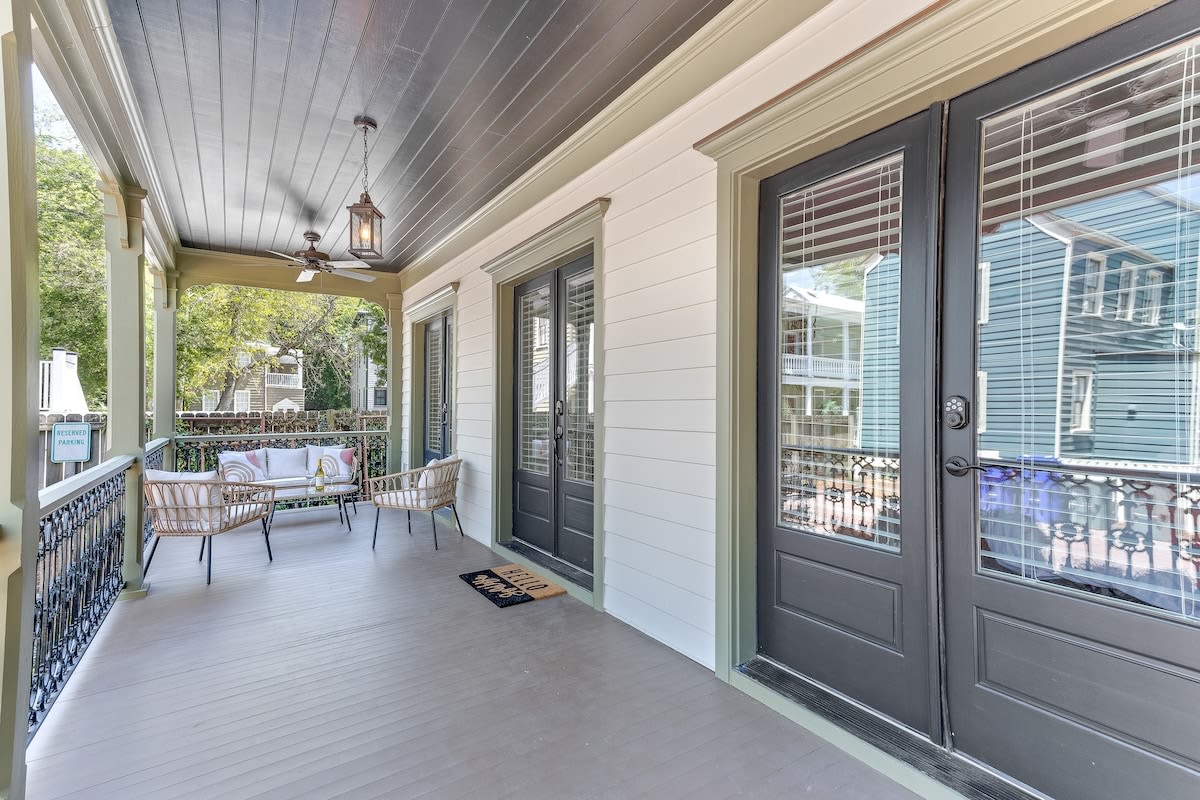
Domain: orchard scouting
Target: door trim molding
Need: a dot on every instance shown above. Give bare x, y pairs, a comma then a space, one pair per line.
575, 235
416, 314
432, 304
953, 48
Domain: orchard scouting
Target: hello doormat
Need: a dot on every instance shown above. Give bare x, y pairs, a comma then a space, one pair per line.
511, 584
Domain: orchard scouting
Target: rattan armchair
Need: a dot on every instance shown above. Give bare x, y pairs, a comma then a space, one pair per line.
206, 508
426, 488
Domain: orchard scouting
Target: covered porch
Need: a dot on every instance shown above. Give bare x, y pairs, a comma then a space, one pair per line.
575, 280
336, 671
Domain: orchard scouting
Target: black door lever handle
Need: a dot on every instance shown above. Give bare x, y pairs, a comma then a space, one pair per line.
958, 466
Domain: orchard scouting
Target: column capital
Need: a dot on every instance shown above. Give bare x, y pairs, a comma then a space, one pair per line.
395, 301
122, 206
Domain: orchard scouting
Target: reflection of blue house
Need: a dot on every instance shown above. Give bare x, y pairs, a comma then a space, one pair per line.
1086, 331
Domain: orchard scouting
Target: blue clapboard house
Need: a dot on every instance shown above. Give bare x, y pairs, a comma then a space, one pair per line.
1086, 318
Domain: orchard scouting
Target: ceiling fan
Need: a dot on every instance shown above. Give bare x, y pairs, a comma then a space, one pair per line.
311, 261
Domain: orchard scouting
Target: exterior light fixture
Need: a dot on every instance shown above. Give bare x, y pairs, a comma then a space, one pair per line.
366, 221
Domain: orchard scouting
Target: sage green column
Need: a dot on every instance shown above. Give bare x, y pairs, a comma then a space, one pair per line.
165, 298
19, 321
124, 244
395, 378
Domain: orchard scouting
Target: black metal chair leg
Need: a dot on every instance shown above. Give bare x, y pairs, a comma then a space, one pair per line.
202, 544
433, 519
150, 558
267, 539
209, 538
346, 509
457, 522
354, 502
338, 500
409, 522
376, 536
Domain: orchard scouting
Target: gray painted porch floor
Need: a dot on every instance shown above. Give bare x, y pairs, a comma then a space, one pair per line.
341, 672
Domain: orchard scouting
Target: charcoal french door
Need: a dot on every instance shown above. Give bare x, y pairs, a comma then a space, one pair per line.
844, 536
1071, 485
438, 333
554, 386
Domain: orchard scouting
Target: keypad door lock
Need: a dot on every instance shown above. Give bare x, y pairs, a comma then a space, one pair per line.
956, 412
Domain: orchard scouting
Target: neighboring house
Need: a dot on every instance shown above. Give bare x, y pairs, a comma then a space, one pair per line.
368, 385
1110, 374
822, 366
60, 391
277, 385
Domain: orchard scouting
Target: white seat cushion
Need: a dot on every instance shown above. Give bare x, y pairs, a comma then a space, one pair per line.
291, 462
243, 467
299, 481
401, 498
183, 509
241, 513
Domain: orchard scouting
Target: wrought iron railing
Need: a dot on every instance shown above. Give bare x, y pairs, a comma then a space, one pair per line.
155, 453
1112, 529
78, 573
842, 492
199, 453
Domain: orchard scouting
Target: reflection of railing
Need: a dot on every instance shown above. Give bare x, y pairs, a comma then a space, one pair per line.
842, 492
798, 366
199, 453
1048, 521
78, 573
289, 380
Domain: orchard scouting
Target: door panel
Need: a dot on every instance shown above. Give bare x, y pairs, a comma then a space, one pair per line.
556, 408
438, 372
534, 507
1073, 633
843, 437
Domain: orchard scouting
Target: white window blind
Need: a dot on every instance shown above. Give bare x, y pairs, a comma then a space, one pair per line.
534, 441
1092, 429
838, 389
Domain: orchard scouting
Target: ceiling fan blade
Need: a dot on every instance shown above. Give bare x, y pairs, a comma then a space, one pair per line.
305, 275
288, 256
355, 264
358, 276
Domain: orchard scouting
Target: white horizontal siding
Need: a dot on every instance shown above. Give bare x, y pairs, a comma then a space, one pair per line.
658, 310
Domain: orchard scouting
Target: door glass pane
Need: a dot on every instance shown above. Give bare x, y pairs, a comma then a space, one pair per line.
533, 381
839, 362
433, 386
1090, 220
580, 400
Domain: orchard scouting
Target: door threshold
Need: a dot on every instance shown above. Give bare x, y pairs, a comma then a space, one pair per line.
951, 770
543, 559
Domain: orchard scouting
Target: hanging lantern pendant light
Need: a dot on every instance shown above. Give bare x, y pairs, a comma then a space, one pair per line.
366, 221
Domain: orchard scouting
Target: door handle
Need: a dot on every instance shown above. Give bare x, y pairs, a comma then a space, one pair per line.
959, 466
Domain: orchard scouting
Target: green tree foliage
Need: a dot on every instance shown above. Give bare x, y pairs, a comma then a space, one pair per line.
71, 259
846, 278
218, 323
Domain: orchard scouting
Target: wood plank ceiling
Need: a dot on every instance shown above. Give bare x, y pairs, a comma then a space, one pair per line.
249, 105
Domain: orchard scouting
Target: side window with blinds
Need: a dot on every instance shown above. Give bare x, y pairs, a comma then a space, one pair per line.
534, 441
580, 377
839, 355
1093, 435
434, 360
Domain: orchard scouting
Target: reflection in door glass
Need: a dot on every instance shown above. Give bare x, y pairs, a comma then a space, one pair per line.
839, 364
533, 381
1090, 222
433, 384
580, 378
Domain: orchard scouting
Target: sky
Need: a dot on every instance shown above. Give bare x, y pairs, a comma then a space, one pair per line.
43, 100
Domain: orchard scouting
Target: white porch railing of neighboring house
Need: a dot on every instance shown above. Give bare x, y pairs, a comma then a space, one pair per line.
288, 380
44, 372
820, 367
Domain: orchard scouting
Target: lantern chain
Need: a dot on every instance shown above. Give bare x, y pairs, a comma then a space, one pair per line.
364, 130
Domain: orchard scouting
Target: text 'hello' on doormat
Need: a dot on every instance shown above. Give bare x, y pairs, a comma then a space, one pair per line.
511, 584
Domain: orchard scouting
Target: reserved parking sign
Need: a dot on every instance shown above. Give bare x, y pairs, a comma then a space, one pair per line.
70, 441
